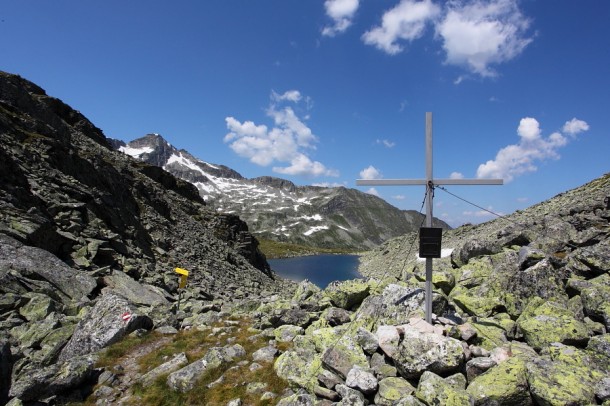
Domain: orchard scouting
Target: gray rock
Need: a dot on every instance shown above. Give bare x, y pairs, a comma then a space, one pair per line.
287, 333
362, 380
477, 366
391, 390
104, 325
135, 292
336, 316
298, 400
185, 378
6, 367
266, 354
434, 390
350, 396
367, 341
419, 352
170, 366
329, 379
38, 383
602, 389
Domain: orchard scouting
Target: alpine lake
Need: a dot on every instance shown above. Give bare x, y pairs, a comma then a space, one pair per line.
318, 269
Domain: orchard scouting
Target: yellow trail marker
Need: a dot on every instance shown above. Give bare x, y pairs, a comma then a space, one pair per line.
183, 275
182, 271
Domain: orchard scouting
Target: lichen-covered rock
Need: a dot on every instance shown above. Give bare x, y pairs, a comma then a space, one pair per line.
552, 322
350, 397
104, 325
490, 333
39, 383
298, 369
419, 352
596, 299
287, 333
395, 305
600, 345
392, 389
557, 383
347, 294
266, 354
434, 390
504, 384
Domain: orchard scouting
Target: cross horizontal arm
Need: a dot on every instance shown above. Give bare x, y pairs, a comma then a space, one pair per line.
407, 182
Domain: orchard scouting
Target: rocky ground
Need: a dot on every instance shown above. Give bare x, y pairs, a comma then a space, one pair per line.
88, 244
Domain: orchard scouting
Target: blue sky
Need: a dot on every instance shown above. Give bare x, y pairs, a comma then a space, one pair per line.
326, 92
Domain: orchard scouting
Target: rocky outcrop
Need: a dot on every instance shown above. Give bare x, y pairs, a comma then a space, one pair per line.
89, 239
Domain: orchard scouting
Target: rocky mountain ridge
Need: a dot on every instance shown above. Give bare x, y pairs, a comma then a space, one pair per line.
276, 209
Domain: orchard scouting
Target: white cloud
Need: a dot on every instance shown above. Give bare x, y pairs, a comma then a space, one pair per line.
288, 141
399, 197
522, 199
290, 95
407, 21
456, 175
373, 191
575, 126
370, 173
478, 34
518, 159
386, 143
341, 12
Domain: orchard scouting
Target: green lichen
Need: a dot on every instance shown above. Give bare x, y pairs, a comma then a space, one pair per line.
504, 384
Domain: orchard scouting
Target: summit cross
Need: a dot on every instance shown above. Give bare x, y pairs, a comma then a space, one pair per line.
429, 182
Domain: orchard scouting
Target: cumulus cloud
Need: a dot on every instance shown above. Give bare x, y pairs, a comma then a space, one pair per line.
288, 141
341, 12
481, 33
456, 175
475, 34
370, 173
399, 197
518, 159
407, 21
575, 126
290, 95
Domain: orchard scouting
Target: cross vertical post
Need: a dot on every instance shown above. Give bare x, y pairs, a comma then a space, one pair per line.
429, 182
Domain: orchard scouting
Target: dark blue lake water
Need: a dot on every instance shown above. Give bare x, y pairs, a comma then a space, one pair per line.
319, 269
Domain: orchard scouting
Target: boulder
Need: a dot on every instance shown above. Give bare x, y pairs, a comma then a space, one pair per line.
392, 389
287, 333
39, 383
396, 305
419, 352
336, 316
551, 322
64, 283
350, 397
135, 292
347, 294
477, 366
265, 354
434, 390
185, 378
110, 319
504, 384
557, 383
168, 367
362, 380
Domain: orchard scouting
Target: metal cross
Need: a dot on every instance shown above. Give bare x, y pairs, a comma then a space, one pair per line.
429, 182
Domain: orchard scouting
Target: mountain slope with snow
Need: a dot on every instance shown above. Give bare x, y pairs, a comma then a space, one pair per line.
277, 209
